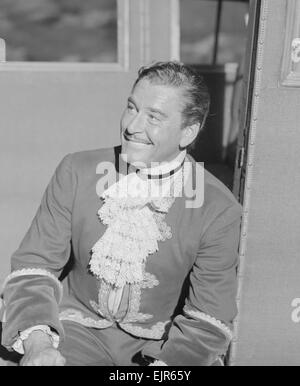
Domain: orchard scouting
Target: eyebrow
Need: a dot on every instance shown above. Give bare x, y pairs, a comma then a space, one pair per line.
157, 111
151, 109
131, 100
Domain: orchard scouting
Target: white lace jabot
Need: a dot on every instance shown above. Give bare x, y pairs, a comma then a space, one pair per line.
134, 210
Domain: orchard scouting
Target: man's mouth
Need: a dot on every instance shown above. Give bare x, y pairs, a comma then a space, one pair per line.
136, 140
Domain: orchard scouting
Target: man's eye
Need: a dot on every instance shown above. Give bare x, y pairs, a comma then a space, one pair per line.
130, 107
153, 118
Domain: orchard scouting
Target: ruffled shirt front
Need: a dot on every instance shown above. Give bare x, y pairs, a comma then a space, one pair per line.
134, 209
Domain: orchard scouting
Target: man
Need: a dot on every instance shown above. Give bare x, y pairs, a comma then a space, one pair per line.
154, 274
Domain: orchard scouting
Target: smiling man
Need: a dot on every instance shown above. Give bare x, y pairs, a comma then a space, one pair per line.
153, 280
152, 124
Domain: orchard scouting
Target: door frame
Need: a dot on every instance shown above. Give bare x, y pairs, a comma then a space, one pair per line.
242, 152
243, 175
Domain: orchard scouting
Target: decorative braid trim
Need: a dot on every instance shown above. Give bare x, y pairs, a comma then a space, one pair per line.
34, 271
210, 319
133, 314
158, 363
76, 316
155, 332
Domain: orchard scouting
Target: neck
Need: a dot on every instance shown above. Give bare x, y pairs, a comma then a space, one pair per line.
164, 169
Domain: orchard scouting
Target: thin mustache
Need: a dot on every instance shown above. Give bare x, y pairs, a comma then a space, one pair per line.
135, 139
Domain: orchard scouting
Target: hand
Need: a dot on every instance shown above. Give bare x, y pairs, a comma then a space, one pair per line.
40, 352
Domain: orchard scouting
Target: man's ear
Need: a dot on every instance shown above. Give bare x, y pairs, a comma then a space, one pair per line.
189, 134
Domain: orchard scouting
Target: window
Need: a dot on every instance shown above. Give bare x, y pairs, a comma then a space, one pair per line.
212, 31
59, 30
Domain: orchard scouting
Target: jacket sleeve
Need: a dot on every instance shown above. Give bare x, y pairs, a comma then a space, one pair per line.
202, 333
32, 291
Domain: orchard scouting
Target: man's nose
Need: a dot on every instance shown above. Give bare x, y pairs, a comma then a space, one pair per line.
136, 125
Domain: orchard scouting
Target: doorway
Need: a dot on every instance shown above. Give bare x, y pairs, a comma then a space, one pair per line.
218, 39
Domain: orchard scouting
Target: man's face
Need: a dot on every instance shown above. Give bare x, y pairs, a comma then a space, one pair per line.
151, 125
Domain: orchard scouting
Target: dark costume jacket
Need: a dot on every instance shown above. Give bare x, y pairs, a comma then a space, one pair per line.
185, 304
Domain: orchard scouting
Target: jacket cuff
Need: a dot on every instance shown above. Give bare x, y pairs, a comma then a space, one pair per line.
18, 344
158, 363
34, 272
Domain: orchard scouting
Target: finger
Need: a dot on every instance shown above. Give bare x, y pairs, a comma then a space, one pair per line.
28, 363
31, 361
39, 362
60, 361
24, 361
42, 360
